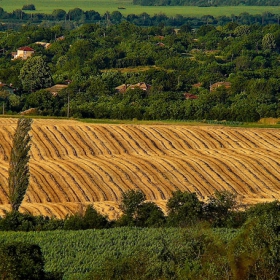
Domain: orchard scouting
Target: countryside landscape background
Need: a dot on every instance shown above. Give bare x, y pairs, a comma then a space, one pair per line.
154, 142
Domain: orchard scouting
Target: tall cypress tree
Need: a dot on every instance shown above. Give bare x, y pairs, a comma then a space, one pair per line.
19, 168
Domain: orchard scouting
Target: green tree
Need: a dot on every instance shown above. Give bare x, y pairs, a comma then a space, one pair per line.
19, 168
268, 42
219, 207
184, 209
35, 74
131, 201
21, 261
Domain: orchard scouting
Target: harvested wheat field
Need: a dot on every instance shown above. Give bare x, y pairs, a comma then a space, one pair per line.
74, 164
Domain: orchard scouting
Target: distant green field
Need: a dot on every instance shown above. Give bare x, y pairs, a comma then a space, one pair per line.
102, 6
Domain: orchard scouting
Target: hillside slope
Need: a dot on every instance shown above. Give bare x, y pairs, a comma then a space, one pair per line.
74, 164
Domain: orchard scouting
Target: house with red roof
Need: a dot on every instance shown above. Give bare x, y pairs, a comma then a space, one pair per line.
23, 53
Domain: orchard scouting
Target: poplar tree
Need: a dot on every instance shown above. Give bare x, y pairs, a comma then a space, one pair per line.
19, 168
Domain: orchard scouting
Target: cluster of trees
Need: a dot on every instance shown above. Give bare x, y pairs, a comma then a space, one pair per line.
206, 3
76, 17
184, 209
95, 59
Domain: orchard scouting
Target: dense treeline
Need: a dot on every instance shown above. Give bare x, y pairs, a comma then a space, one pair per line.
206, 240
206, 3
76, 17
96, 59
184, 209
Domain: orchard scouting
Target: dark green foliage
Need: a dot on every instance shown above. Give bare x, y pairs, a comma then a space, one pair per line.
149, 215
19, 170
15, 221
89, 220
184, 209
21, 261
254, 253
30, 7
131, 200
220, 207
35, 74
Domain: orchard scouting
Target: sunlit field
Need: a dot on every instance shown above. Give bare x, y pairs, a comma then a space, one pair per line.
102, 6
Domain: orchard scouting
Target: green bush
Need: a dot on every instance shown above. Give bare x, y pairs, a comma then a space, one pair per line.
29, 7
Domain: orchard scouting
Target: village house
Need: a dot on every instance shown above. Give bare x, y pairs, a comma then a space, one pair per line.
54, 90
190, 96
124, 87
23, 53
227, 85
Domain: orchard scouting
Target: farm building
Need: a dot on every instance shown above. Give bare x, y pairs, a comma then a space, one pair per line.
124, 87
23, 53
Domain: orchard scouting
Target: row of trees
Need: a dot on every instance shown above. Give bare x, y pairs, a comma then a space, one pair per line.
184, 209
75, 17
206, 3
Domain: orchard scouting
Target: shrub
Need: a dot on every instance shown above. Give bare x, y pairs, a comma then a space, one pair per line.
29, 7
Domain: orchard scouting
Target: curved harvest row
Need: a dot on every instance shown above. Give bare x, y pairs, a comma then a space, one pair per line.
74, 164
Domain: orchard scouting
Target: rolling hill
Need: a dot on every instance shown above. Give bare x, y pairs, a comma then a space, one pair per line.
74, 164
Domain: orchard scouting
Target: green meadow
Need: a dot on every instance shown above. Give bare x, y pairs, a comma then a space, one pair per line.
102, 6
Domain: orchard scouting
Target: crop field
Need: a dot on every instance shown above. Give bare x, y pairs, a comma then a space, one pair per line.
74, 164
102, 6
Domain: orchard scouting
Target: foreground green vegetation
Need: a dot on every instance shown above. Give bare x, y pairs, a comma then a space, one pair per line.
205, 240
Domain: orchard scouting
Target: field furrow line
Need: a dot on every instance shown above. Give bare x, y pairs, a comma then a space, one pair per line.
39, 173
251, 179
43, 146
115, 136
73, 173
98, 141
273, 138
232, 143
245, 139
207, 138
260, 140
126, 141
223, 172
3, 148
194, 178
35, 152
132, 141
78, 149
107, 174
109, 139
90, 185
94, 147
81, 137
194, 142
268, 176
179, 176
177, 140
268, 160
179, 135
215, 138
148, 187
57, 141
63, 140
99, 180
169, 148
35, 191
208, 175
54, 150
153, 134
149, 141
155, 175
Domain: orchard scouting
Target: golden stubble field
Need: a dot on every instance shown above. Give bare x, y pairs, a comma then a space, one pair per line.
74, 164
